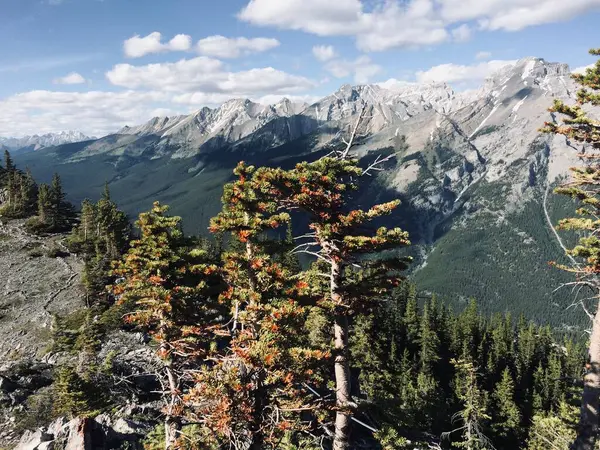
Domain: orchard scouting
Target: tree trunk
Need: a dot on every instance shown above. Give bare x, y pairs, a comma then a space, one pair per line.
590, 401
341, 439
257, 437
172, 423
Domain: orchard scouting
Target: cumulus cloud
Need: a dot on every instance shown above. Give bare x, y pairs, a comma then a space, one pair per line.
153, 89
136, 46
223, 47
362, 69
390, 24
206, 75
72, 78
482, 56
461, 33
514, 15
582, 69
93, 112
408, 23
457, 73
324, 52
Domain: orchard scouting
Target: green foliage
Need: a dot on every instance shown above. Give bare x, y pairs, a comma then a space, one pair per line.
407, 391
73, 396
54, 213
101, 236
473, 414
21, 190
553, 431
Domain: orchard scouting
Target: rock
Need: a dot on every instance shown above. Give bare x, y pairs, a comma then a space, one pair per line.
127, 426
32, 440
7, 385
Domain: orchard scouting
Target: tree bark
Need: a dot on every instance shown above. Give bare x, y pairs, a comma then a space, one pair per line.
172, 423
341, 439
587, 431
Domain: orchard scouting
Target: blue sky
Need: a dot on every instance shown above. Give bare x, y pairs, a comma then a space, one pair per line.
96, 65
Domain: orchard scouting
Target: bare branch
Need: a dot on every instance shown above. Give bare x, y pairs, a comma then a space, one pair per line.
350, 143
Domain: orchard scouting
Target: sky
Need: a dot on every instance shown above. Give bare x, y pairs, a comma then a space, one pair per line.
97, 65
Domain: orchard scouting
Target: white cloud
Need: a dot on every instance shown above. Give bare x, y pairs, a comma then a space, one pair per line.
481, 56
205, 75
92, 112
136, 46
456, 73
393, 84
362, 68
324, 52
272, 99
513, 15
390, 24
325, 18
223, 47
461, 33
72, 78
582, 69
408, 23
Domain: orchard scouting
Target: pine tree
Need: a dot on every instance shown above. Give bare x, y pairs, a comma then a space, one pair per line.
71, 395
169, 280
61, 210
252, 393
505, 413
44, 204
473, 414
322, 189
9, 165
579, 127
28, 194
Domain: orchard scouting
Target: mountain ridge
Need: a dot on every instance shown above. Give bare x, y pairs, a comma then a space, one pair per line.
471, 169
37, 142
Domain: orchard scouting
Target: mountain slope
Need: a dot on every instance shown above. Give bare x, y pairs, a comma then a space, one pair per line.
471, 168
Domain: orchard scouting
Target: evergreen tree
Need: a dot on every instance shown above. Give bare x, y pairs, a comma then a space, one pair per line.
252, 393
9, 165
169, 280
71, 395
61, 211
473, 415
44, 204
322, 189
505, 413
579, 127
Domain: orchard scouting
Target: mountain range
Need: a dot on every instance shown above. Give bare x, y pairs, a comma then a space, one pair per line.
37, 142
471, 168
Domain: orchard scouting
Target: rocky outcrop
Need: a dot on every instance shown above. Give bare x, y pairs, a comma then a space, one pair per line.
34, 287
100, 433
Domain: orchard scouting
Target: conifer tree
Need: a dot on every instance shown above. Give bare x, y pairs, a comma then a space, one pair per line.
44, 204
61, 210
70, 394
579, 127
9, 165
169, 280
473, 414
253, 393
505, 413
28, 194
323, 190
